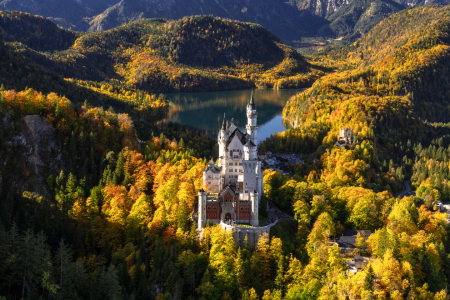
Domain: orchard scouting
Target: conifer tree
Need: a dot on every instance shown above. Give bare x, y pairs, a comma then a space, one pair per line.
369, 279
119, 168
63, 272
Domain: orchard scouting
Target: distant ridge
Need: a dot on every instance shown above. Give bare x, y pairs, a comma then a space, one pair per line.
291, 21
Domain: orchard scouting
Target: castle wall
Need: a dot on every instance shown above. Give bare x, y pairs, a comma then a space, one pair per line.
212, 182
212, 211
253, 233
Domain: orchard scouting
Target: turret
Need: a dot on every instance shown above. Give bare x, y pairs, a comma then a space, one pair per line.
222, 138
252, 115
201, 208
223, 130
254, 199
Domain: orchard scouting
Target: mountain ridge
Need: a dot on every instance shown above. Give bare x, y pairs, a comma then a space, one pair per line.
293, 21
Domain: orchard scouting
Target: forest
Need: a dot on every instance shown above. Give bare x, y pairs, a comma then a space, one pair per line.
117, 222
199, 53
115, 219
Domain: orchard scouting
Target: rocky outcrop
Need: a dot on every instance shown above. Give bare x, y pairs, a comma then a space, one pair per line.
29, 154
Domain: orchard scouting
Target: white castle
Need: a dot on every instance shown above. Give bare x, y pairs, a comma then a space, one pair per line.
234, 187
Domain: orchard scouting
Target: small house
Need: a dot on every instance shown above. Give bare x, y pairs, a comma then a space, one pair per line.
347, 241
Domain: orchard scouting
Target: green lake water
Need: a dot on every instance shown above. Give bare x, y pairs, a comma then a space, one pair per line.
204, 111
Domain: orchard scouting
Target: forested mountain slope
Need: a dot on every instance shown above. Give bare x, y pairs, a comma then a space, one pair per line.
391, 83
36, 32
350, 20
69, 171
386, 86
404, 57
291, 21
278, 17
111, 216
155, 55
70, 14
347, 20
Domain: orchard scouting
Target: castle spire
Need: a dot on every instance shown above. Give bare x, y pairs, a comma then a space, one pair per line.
251, 105
223, 123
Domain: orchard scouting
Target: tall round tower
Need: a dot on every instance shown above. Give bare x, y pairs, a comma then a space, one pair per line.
201, 208
222, 138
252, 115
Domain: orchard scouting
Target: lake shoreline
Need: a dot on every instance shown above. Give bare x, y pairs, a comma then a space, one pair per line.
204, 111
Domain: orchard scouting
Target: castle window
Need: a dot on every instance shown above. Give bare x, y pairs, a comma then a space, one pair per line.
242, 208
247, 208
247, 215
209, 215
209, 207
215, 215
226, 200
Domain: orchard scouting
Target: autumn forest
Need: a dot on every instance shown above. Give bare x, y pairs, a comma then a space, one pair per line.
97, 192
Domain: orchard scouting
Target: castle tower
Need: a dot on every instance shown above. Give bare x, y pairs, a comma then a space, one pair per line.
250, 151
222, 138
254, 198
201, 208
252, 115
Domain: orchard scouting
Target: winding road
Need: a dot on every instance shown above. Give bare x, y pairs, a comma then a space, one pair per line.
406, 190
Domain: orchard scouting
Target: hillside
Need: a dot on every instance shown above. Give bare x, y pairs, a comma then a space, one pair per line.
155, 55
92, 209
35, 32
295, 22
346, 20
70, 14
22, 67
391, 84
278, 17
405, 57
349, 20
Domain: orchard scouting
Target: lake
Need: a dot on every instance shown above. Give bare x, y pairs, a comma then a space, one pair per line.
204, 111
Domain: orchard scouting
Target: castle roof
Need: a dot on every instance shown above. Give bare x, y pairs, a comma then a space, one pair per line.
213, 168
232, 127
243, 137
224, 126
251, 105
229, 188
249, 144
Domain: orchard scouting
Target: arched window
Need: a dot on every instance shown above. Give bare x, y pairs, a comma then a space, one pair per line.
242, 208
